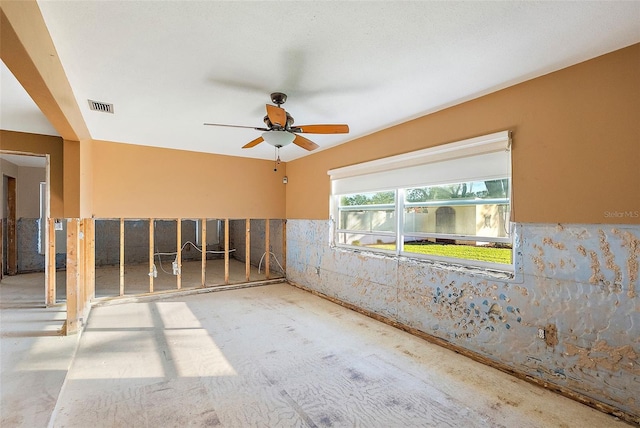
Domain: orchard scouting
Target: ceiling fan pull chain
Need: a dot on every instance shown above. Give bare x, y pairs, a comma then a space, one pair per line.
277, 161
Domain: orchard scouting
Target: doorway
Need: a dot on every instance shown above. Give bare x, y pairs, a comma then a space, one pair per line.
25, 210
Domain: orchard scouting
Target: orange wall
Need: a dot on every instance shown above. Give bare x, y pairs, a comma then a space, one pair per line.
71, 175
145, 182
86, 179
41, 144
576, 148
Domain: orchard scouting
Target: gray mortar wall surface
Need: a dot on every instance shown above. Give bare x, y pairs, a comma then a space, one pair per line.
577, 282
29, 260
136, 241
136, 245
237, 240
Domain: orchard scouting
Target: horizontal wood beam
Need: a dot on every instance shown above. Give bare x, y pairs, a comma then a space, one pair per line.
28, 51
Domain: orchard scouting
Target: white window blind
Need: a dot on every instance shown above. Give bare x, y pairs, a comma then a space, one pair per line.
480, 158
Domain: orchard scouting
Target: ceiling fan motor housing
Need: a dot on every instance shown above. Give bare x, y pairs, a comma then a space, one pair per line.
270, 125
278, 98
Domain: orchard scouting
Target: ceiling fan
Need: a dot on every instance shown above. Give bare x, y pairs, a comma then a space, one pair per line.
280, 130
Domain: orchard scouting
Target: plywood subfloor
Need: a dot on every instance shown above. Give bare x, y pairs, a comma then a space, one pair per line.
274, 356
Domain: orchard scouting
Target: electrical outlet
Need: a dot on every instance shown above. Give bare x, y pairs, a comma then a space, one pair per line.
154, 272
541, 333
176, 269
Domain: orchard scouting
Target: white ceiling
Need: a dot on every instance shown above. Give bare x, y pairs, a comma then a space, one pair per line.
18, 112
27, 161
170, 66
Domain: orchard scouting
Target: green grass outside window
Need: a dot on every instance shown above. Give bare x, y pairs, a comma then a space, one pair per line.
485, 254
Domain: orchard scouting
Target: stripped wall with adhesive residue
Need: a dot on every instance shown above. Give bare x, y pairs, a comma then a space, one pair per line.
578, 283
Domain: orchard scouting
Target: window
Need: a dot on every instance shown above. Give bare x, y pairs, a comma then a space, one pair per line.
368, 219
449, 203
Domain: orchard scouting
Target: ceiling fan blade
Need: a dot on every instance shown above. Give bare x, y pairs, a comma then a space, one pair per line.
277, 115
236, 126
253, 143
322, 129
306, 144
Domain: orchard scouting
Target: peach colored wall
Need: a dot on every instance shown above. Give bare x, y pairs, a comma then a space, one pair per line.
29, 179
71, 176
141, 182
86, 178
576, 149
40, 144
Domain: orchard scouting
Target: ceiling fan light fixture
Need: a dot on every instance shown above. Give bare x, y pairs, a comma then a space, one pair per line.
278, 138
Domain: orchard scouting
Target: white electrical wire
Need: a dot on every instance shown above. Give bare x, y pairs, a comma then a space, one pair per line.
183, 247
274, 257
196, 247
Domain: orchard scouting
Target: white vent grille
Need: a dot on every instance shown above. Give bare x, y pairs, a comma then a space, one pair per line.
100, 106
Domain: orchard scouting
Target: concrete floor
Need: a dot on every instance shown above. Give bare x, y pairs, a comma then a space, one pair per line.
263, 356
34, 358
137, 277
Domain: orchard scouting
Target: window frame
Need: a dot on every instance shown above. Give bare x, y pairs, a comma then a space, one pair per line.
400, 206
393, 233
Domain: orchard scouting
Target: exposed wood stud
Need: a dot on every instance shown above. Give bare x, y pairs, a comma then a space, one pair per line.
81, 261
247, 250
151, 256
179, 253
91, 258
73, 275
122, 257
50, 272
226, 251
204, 252
12, 241
267, 244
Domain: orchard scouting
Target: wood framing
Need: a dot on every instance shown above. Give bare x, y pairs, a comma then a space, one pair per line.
90, 258
247, 250
226, 251
203, 239
179, 253
151, 255
12, 241
267, 253
122, 257
73, 275
81, 262
50, 270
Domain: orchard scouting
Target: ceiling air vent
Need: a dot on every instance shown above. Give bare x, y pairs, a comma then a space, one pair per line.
100, 106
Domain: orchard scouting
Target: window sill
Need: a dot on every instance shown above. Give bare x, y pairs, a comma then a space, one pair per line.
449, 265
